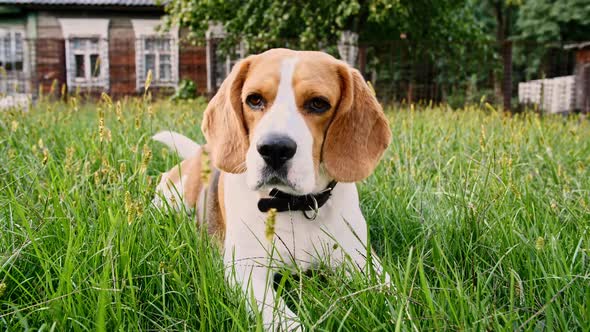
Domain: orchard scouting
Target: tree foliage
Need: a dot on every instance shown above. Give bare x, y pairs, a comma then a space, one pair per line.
550, 20
459, 42
313, 23
418, 32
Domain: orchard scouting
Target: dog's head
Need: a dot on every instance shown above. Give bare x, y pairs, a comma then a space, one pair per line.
294, 121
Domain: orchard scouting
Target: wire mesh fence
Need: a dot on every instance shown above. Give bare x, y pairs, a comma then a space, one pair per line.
401, 71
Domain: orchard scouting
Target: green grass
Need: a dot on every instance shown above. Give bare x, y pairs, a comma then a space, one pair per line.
482, 221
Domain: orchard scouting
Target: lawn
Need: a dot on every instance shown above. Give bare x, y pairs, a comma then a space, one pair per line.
482, 220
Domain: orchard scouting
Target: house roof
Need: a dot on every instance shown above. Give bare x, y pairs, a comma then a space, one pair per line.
130, 3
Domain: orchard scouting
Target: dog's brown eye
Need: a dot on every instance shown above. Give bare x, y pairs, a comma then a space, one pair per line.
317, 105
255, 101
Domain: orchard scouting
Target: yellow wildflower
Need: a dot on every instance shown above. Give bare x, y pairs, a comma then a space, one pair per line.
107, 135
540, 243
148, 80
482, 138
69, 157
119, 111
130, 216
74, 104
107, 99
205, 167
45, 156
101, 129
128, 201
270, 224
53, 86
96, 178
147, 156
138, 209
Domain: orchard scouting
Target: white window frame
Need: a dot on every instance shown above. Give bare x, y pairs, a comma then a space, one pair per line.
86, 52
147, 30
172, 52
86, 29
13, 80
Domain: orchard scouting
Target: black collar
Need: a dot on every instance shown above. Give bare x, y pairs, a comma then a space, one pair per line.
286, 202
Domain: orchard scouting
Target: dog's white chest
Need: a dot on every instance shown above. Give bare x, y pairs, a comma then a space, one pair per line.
295, 240
252, 254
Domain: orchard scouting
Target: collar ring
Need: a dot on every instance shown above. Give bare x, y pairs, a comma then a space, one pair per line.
315, 210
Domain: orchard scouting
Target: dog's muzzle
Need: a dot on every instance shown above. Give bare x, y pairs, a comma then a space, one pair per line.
276, 150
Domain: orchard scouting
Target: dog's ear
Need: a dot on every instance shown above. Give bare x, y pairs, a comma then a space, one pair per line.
359, 132
223, 122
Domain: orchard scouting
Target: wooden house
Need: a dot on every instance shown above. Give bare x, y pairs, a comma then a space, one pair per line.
93, 45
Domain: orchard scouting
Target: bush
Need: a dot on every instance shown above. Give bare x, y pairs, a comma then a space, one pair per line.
187, 89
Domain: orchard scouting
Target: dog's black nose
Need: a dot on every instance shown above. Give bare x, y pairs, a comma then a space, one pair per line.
276, 150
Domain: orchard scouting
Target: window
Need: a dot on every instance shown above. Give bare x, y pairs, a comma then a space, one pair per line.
85, 53
12, 57
155, 51
11, 51
158, 55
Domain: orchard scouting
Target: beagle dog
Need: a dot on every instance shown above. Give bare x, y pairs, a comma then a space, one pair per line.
288, 135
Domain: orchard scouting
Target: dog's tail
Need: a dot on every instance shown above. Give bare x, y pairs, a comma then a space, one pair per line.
183, 145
